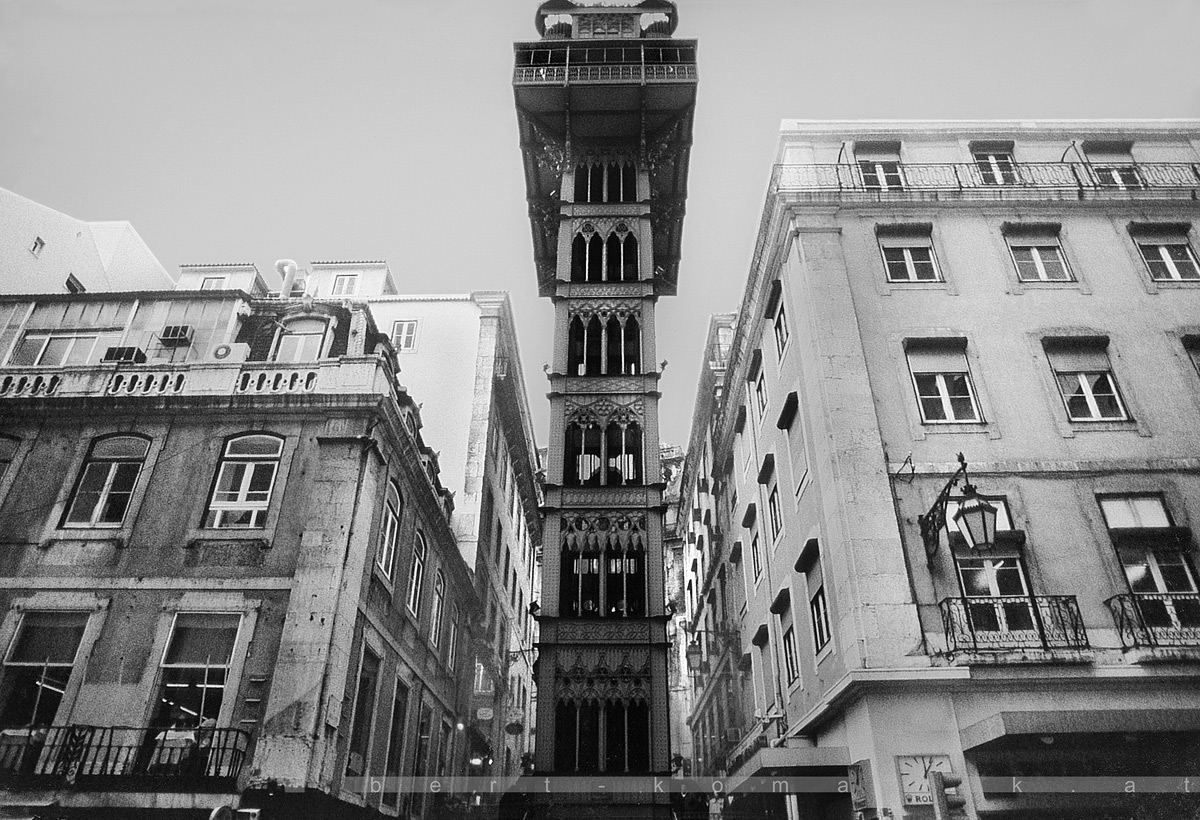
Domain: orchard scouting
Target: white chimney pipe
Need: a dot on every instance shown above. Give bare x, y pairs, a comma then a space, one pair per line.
286, 269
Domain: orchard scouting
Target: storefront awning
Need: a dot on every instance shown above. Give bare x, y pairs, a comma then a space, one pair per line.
801, 761
1079, 721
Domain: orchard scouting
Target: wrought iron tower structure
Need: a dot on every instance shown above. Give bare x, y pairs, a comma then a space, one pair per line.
605, 103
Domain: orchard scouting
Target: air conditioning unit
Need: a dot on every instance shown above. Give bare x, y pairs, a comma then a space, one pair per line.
733, 735
234, 352
176, 336
133, 355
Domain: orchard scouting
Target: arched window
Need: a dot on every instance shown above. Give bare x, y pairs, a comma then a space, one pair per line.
612, 344
629, 258
614, 183
603, 569
632, 352
593, 347
579, 258
416, 573
582, 463
595, 258
581, 183
612, 268
623, 454
628, 182
390, 532
106, 482
575, 347
300, 340
245, 477
596, 183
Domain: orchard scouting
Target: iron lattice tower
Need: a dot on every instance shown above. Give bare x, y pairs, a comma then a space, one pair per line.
605, 103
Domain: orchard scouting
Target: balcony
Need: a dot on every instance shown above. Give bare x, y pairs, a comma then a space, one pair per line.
349, 374
204, 759
1008, 622
1153, 619
969, 180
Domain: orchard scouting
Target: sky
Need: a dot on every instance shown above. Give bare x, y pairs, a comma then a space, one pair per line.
256, 130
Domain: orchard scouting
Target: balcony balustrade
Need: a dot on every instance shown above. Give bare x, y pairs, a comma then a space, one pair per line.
169, 759
897, 180
982, 624
1149, 619
616, 73
359, 374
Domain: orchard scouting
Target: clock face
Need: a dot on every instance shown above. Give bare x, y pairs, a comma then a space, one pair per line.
914, 776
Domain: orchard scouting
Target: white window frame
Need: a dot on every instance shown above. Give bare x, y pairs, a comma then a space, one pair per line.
217, 511
69, 692
112, 464
941, 385
302, 352
111, 338
775, 512
439, 609
791, 660
404, 334
230, 685
818, 610
213, 283
761, 400
345, 284
1174, 273
390, 531
1037, 246
1081, 379
781, 329
755, 557
416, 575
997, 164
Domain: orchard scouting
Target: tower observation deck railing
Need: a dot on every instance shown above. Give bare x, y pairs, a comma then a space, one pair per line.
1018, 179
562, 64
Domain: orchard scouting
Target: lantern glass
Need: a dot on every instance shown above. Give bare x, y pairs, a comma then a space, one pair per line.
976, 520
693, 656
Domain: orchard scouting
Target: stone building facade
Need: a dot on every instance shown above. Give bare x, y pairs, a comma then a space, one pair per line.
228, 575
1023, 293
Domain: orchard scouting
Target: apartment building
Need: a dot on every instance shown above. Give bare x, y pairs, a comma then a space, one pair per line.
1026, 294
228, 578
45, 251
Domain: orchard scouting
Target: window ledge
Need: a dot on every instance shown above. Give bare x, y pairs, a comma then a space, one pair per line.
1176, 283
942, 427
1103, 426
114, 538
1050, 284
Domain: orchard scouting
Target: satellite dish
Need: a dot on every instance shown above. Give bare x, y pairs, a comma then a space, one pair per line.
222, 813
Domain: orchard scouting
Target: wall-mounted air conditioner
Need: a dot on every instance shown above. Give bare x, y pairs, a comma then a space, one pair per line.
133, 355
176, 336
234, 352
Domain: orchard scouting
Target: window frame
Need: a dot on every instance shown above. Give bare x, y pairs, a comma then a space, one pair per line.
1161, 243
299, 354
348, 282
818, 610
907, 237
404, 335
104, 496
1035, 238
943, 395
389, 534
782, 334
998, 163
230, 683
791, 661
438, 613
213, 282
775, 512
214, 511
94, 355
416, 573
69, 692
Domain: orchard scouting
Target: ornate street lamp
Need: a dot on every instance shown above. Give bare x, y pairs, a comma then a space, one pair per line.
975, 517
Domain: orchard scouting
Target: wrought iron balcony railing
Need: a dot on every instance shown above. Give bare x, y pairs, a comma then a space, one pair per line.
895, 179
1157, 618
627, 73
173, 759
979, 624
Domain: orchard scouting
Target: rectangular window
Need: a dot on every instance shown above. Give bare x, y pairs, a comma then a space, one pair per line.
997, 596
36, 247
879, 165
390, 535
364, 715
195, 669
908, 253
755, 558
781, 331
74, 285
38, 667
345, 285
1167, 252
943, 384
995, 165
1112, 165
439, 609
1085, 381
1160, 574
246, 475
1037, 253
404, 334
452, 640
789, 655
395, 752
820, 619
416, 573
760, 393
63, 349
774, 513
105, 486
212, 283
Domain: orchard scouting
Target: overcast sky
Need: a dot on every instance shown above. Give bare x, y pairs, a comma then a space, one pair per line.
249, 131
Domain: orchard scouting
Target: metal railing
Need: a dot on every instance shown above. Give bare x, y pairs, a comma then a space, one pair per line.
899, 177
1157, 618
1013, 622
173, 758
618, 73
